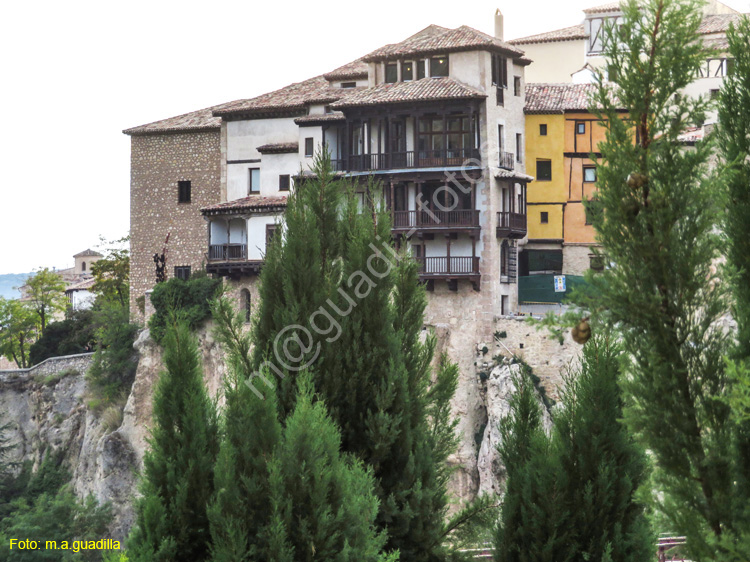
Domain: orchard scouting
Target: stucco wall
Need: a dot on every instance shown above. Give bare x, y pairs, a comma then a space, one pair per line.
554, 62
158, 162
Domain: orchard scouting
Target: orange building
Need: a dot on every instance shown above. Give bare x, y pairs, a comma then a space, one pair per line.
562, 137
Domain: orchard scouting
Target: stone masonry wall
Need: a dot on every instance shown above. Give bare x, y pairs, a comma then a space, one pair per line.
158, 162
54, 365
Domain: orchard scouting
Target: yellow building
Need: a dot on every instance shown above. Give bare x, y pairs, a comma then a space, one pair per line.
561, 136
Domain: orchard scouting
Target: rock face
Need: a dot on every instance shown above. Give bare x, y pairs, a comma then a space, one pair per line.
500, 388
48, 411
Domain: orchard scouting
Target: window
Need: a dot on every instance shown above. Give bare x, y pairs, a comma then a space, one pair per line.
580, 128
596, 263
714, 94
253, 185
246, 304
516, 85
499, 71
270, 233
544, 217
519, 147
391, 72
407, 71
421, 72
284, 182
83, 266
500, 137
459, 138
182, 272
544, 170
183, 191
438, 66
309, 146
589, 174
348, 84
543, 129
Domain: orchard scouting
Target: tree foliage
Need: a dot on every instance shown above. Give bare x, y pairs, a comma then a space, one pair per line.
192, 298
45, 292
75, 334
659, 211
112, 273
178, 474
19, 329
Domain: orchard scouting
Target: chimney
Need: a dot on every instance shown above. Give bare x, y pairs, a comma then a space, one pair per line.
498, 24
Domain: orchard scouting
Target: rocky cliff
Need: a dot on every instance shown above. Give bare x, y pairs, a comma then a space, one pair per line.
47, 409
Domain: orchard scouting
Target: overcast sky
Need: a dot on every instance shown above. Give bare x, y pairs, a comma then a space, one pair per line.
75, 74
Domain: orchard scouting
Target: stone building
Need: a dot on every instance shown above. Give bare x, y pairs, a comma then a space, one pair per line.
437, 119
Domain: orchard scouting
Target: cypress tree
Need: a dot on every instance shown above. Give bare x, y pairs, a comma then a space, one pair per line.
533, 523
240, 510
734, 145
603, 465
172, 522
658, 223
335, 273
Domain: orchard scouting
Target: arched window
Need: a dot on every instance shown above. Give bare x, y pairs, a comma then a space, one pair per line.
83, 266
246, 304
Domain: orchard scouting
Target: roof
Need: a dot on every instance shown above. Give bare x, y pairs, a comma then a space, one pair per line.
252, 203
426, 89
82, 286
279, 148
437, 40
608, 7
512, 175
716, 23
557, 98
319, 118
566, 34
200, 120
354, 69
88, 252
294, 97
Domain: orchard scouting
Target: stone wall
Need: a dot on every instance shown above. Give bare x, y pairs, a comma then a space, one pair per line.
79, 363
158, 162
576, 258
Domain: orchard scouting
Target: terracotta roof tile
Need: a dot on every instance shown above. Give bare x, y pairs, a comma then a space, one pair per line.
279, 148
82, 285
252, 203
354, 69
435, 40
318, 118
427, 89
608, 7
718, 23
566, 34
200, 120
88, 252
557, 98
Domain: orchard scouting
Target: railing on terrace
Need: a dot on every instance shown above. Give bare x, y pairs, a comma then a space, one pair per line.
227, 252
409, 159
436, 219
507, 160
511, 225
458, 265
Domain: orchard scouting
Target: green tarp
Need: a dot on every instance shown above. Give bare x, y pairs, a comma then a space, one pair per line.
541, 288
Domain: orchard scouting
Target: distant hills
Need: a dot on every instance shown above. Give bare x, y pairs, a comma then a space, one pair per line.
10, 280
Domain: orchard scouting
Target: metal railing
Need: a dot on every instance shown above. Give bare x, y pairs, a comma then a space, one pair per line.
408, 159
507, 160
436, 219
227, 252
458, 265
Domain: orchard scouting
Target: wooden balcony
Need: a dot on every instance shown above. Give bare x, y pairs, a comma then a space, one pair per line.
507, 160
408, 160
511, 225
230, 260
436, 220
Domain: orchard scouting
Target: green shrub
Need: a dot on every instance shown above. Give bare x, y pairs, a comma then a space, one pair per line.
68, 337
191, 299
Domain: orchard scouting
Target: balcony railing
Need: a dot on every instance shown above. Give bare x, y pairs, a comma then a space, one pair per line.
448, 266
227, 252
460, 218
507, 160
511, 225
409, 159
